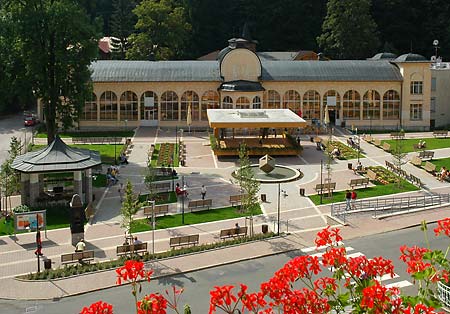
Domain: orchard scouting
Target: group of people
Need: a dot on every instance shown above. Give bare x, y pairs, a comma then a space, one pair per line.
336, 152
123, 159
179, 191
421, 144
111, 175
444, 174
350, 199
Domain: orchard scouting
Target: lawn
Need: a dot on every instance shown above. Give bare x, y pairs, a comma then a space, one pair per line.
165, 160
377, 190
171, 221
161, 198
431, 143
346, 151
107, 151
90, 134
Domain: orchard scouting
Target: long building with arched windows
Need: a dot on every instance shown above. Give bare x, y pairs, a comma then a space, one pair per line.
384, 92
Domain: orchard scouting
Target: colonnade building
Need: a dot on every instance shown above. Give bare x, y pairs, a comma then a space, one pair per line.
383, 92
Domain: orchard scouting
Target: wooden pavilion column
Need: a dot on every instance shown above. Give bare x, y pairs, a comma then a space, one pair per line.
88, 186
25, 188
77, 184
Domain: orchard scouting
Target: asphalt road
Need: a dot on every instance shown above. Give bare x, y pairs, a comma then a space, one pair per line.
10, 126
198, 284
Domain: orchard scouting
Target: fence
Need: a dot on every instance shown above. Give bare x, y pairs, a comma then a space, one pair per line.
391, 205
444, 293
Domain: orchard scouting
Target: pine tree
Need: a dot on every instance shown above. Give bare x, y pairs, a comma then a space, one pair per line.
349, 31
122, 26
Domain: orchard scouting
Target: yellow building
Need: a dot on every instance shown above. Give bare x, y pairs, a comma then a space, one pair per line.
383, 92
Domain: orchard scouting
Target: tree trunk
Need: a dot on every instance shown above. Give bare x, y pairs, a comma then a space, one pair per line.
52, 103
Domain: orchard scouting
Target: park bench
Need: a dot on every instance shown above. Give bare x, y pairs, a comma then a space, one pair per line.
359, 182
389, 165
368, 138
325, 187
386, 147
440, 133
198, 204
129, 249
233, 232
237, 199
192, 239
429, 167
416, 147
416, 161
377, 142
371, 175
159, 210
397, 135
352, 144
161, 186
415, 180
426, 154
77, 257
162, 172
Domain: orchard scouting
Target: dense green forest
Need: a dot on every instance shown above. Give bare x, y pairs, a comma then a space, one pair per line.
187, 29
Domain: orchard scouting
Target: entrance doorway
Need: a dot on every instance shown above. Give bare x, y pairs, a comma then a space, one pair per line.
150, 117
332, 115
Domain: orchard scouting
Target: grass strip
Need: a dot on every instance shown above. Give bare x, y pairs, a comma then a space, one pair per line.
431, 143
90, 134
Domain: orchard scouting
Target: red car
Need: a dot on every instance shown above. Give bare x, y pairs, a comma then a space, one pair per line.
30, 121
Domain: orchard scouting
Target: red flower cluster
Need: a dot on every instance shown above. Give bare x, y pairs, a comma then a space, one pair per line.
132, 271
413, 257
153, 303
99, 307
443, 227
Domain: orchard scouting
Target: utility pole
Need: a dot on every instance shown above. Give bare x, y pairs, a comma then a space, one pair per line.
278, 209
182, 199
321, 181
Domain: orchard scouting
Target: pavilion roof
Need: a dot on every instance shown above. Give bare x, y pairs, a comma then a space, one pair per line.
57, 157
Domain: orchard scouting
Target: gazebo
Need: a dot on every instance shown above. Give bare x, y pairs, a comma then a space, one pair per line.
56, 161
264, 131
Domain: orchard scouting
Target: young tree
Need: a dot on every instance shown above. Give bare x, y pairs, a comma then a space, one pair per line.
130, 206
10, 179
122, 26
58, 44
163, 30
399, 155
249, 186
349, 31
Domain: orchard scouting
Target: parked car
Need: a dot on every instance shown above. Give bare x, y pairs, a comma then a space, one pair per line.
30, 121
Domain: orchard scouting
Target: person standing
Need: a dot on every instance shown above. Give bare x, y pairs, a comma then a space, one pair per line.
354, 196
80, 246
38, 243
348, 198
203, 191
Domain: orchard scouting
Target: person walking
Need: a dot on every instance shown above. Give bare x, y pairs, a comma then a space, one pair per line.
348, 198
80, 246
354, 196
203, 191
38, 243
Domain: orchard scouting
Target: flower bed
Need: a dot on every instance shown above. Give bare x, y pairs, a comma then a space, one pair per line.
383, 175
346, 151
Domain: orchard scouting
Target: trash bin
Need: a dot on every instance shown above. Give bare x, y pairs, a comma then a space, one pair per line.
302, 192
265, 228
263, 198
47, 263
350, 166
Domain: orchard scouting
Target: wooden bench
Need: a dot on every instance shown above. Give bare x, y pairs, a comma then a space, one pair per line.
415, 180
371, 175
377, 142
358, 182
237, 199
429, 167
426, 154
397, 135
386, 147
416, 161
161, 186
192, 239
233, 232
325, 187
129, 249
389, 165
368, 138
196, 204
440, 133
77, 257
159, 210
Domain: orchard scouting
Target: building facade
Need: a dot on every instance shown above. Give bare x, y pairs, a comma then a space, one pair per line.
384, 92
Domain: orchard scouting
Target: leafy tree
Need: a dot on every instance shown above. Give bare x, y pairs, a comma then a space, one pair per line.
57, 45
163, 31
399, 156
130, 206
349, 31
150, 177
9, 178
249, 186
122, 26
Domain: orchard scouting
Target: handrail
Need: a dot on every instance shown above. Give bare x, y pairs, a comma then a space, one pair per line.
444, 293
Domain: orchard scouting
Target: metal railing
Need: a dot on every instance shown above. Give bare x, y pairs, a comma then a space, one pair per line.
444, 293
390, 205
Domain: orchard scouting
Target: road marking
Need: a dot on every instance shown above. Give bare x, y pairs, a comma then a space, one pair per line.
214, 159
400, 284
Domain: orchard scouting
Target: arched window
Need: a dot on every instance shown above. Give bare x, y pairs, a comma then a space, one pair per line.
190, 98
169, 106
371, 105
311, 105
90, 108
332, 99
351, 105
227, 102
149, 102
108, 106
210, 100
273, 100
128, 106
391, 105
291, 100
257, 102
242, 103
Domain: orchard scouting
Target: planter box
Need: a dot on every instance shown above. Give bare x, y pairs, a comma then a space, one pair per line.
259, 152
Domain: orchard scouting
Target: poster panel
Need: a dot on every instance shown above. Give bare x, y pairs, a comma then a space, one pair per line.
30, 220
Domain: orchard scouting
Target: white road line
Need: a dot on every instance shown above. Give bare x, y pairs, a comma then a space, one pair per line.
400, 284
214, 159
303, 159
311, 229
319, 255
353, 255
323, 247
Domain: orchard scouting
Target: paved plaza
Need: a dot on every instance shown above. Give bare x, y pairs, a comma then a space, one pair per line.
300, 218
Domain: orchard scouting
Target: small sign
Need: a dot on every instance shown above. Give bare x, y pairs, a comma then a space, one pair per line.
149, 102
30, 220
331, 100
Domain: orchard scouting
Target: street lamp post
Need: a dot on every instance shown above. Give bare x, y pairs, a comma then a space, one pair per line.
321, 181
278, 209
182, 200
370, 128
359, 143
153, 226
115, 151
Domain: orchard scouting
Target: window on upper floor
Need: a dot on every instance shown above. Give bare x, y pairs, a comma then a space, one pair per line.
433, 84
416, 88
